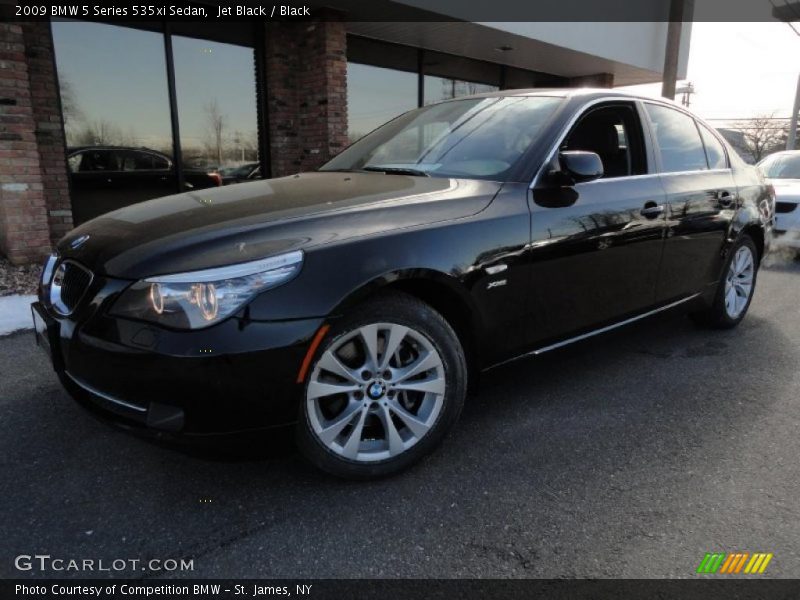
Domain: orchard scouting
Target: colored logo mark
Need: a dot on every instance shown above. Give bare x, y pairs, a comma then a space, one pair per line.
735, 562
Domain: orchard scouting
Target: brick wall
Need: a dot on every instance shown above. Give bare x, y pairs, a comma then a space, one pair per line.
24, 234
306, 67
34, 197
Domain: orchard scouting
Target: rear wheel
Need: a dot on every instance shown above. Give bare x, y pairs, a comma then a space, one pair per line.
735, 289
384, 389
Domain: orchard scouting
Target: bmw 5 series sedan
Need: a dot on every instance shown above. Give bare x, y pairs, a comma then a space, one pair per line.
356, 303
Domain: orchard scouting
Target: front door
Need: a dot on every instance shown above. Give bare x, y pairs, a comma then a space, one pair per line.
596, 260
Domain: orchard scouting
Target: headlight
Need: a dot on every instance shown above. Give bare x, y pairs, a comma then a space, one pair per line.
201, 298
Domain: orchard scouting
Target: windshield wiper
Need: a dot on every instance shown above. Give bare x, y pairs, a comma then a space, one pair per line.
397, 171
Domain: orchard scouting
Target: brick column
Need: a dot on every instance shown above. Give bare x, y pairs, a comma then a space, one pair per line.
35, 207
306, 69
46, 103
24, 235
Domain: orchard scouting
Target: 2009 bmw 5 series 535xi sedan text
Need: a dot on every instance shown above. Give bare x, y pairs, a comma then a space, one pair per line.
356, 302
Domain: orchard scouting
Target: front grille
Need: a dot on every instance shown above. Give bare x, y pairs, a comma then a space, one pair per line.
70, 284
785, 207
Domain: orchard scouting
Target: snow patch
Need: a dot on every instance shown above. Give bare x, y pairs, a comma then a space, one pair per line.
15, 313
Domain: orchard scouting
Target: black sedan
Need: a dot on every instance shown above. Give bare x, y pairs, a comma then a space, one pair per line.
358, 302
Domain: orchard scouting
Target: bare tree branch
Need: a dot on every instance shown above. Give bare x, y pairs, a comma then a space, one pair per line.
761, 136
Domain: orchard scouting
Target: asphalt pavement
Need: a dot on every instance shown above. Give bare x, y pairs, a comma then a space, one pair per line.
629, 455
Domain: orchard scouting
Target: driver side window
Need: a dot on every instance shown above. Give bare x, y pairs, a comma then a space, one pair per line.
615, 135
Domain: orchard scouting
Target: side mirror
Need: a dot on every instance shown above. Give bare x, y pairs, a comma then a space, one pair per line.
574, 166
580, 166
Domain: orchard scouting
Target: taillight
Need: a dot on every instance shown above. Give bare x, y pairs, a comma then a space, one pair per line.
216, 178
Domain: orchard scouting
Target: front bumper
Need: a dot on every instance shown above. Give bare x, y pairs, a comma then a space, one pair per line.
235, 376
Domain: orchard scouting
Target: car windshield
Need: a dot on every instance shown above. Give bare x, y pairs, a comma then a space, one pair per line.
782, 166
478, 138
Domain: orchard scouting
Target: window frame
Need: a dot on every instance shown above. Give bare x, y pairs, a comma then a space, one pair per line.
647, 133
627, 105
148, 152
84, 151
710, 130
657, 147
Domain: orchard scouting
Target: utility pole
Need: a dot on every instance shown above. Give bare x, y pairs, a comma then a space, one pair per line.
686, 92
791, 140
673, 48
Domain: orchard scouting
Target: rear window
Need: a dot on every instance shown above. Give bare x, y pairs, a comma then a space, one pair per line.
678, 140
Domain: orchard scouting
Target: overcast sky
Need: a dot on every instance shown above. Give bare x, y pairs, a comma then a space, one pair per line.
741, 69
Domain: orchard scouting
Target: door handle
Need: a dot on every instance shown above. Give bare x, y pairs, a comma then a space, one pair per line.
651, 210
725, 198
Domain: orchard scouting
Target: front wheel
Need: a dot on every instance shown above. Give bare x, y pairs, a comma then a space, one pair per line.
735, 289
385, 388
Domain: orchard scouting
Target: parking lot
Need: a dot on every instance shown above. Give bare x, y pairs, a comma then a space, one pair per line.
630, 455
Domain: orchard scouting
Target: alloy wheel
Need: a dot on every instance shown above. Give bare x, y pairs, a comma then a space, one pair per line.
375, 392
739, 282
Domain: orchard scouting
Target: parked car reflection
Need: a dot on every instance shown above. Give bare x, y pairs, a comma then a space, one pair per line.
241, 173
105, 178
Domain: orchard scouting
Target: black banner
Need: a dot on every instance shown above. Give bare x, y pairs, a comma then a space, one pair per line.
408, 10
389, 589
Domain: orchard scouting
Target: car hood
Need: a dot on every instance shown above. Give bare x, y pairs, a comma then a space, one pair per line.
247, 221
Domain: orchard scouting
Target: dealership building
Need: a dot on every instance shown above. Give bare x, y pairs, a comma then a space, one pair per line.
96, 115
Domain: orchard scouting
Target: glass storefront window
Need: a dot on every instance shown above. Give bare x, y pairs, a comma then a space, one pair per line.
442, 88
115, 100
448, 76
376, 95
216, 96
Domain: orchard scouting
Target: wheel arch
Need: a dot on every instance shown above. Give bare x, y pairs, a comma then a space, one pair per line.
442, 292
756, 233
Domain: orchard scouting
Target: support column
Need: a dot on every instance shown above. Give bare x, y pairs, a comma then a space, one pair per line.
24, 234
46, 103
306, 70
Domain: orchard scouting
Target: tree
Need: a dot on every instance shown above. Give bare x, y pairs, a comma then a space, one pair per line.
216, 129
99, 132
762, 135
69, 105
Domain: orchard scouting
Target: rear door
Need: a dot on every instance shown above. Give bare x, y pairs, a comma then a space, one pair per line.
701, 201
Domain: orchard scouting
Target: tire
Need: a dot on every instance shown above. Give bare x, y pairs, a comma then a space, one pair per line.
725, 313
378, 425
